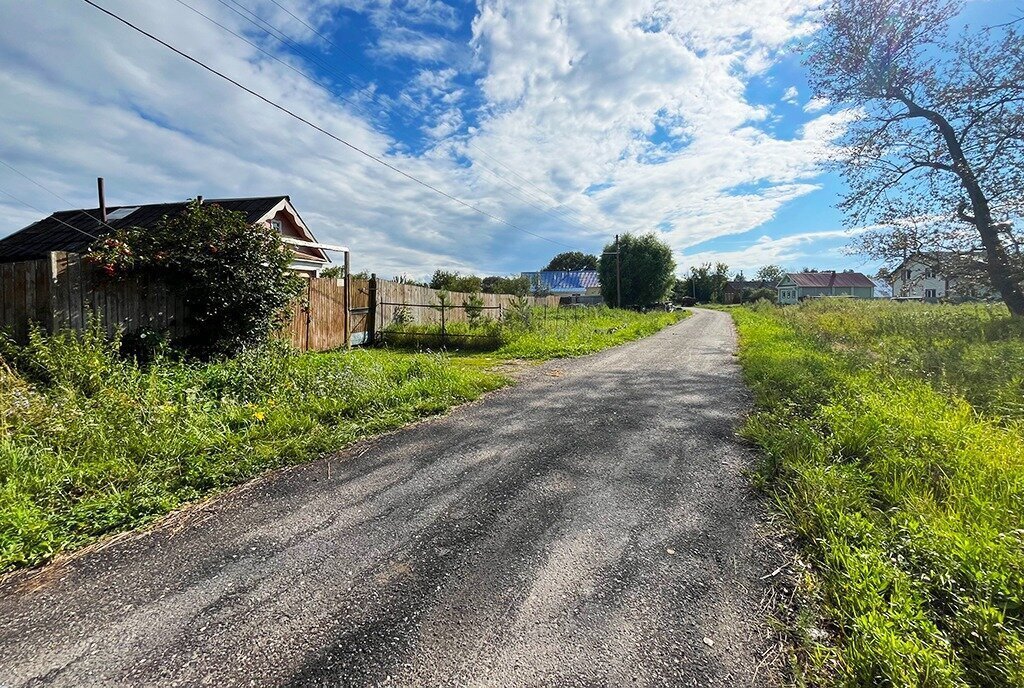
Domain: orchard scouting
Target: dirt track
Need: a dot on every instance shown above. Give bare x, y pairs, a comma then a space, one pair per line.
590, 526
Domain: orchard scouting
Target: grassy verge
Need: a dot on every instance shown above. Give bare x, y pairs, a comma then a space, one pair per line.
895, 447
92, 444
541, 334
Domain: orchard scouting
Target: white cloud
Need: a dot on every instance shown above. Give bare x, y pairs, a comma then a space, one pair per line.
791, 95
644, 100
816, 104
793, 252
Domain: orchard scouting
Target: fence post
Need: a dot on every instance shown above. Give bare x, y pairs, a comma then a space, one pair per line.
371, 314
308, 310
444, 339
348, 301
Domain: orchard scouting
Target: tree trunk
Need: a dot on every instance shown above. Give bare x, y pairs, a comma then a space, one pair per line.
999, 271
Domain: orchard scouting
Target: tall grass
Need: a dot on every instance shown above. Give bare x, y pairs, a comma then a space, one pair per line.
893, 443
539, 333
93, 443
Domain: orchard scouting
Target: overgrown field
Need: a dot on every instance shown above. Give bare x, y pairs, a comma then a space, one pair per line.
539, 333
93, 444
894, 443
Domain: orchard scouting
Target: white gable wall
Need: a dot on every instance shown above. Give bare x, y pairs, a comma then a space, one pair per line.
917, 280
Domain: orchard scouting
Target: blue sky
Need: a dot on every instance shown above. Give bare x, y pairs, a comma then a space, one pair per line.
572, 119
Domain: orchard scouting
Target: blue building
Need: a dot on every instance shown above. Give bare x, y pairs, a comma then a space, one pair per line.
574, 286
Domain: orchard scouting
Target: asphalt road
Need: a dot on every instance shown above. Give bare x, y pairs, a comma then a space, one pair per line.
589, 526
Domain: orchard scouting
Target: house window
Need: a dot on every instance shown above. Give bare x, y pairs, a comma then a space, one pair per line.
276, 225
929, 293
906, 275
929, 273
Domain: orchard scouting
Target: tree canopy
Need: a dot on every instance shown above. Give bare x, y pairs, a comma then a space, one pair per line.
706, 283
517, 286
573, 260
771, 273
648, 270
934, 154
453, 281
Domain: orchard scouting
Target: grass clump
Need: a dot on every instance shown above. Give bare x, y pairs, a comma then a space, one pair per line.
898, 457
93, 443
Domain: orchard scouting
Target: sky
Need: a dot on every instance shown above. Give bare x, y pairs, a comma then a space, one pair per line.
554, 123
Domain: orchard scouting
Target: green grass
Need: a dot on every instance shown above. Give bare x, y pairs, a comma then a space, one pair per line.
93, 444
541, 334
894, 445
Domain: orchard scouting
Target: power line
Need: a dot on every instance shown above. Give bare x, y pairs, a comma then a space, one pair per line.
66, 224
268, 29
56, 195
317, 127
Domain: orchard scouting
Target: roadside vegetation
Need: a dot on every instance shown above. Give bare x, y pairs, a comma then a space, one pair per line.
536, 333
93, 443
893, 437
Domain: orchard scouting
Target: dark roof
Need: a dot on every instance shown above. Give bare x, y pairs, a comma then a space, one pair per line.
740, 285
830, 279
74, 230
564, 280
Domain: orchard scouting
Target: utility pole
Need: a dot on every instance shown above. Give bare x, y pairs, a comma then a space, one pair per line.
618, 273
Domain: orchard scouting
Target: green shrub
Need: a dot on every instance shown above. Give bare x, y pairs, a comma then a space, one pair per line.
234, 277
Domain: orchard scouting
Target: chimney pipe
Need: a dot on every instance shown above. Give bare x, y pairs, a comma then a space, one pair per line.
103, 199
199, 200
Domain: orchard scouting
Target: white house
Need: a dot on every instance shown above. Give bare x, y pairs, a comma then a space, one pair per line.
919, 276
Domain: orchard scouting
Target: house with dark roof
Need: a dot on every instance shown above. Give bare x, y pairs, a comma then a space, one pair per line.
74, 230
575, 286
798, 286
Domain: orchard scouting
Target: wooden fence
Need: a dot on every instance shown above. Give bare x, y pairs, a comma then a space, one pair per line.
415, 303
64, 292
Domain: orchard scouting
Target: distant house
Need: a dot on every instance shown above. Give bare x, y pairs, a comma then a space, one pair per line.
73, 230
798, 286
932, 276
735, 290
575, 286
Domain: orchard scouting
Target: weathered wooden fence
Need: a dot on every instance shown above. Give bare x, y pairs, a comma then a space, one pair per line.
415, 304
64, 292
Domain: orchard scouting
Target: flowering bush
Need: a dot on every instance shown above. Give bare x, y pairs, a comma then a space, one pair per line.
234, 277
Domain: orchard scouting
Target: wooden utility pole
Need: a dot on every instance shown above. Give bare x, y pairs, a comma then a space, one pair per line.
618, 273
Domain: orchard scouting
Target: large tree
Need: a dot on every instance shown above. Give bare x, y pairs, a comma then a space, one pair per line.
771, 273
935, 153
648, 270
706, 283
573, 260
